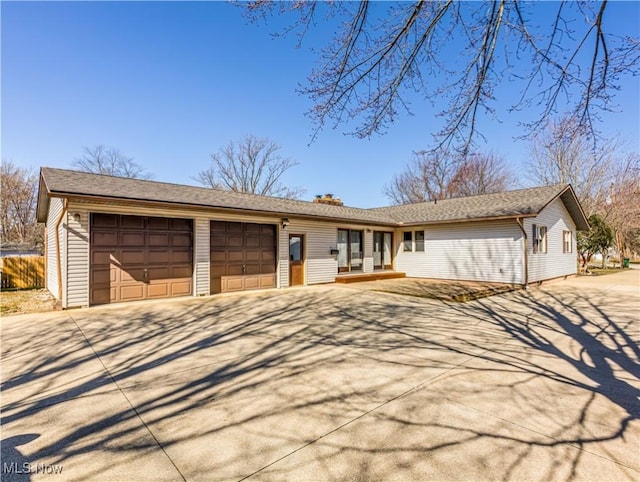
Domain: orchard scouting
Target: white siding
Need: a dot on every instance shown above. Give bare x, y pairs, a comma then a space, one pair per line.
554, 263
475, 251
368, 251
55, 208
201, 255
319, 238
77, 269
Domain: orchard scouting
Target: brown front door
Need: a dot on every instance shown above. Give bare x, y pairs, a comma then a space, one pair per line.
139, 257
296, 259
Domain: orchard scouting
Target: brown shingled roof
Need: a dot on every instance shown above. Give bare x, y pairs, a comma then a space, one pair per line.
509, 204
67, 183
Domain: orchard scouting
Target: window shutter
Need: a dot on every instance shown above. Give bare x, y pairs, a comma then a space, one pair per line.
535, 238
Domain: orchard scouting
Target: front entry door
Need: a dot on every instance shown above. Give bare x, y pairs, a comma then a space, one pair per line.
296, 259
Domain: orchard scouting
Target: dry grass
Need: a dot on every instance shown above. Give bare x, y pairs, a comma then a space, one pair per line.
26, 301
445, 290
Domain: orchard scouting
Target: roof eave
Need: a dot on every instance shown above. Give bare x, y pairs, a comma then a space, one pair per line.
467, 220
42, 203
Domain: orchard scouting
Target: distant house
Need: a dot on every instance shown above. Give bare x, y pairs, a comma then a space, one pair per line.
111, 239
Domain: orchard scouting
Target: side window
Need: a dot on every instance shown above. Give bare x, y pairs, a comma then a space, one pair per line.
566, 242
407, 241
419, 240
539, 239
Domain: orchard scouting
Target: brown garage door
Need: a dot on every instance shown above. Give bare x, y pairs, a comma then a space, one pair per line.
139, 257
243, 256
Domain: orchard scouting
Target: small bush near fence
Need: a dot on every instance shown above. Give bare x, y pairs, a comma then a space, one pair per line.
22, 272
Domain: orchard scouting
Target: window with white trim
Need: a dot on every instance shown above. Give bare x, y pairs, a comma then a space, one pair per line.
407, 241
419, 237
567, 244
539, 239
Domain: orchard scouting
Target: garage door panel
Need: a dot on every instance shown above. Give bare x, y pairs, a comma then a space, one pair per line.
158, 239
178, 288
251, 282
105, 239
217, 271
180, 239
218, 256
234, 241
234, 270
252, 242
159, 257
102, 295
252, 269
180, 272
131, 274
133, 238
132, 292
132, 222
266, 255
161, 224
252, 255
132, 257
180, 256
101, 277
159, 290
101, 257
101, 220
180, 225
159, 273
235, 256
268, 281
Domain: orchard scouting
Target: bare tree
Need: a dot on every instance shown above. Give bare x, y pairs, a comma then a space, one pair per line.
460, 52
481, 174
445, 175
109, 160
18, 206
251, 165
622, 205
563, 153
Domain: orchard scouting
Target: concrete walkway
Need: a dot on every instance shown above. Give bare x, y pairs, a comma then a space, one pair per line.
329, 383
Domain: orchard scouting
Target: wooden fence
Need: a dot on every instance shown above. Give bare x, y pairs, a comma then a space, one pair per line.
21, 272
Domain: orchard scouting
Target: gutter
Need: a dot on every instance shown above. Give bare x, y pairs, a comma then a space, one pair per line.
58, 256
526, 252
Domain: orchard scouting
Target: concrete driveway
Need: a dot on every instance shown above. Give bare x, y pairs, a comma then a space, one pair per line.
329, 383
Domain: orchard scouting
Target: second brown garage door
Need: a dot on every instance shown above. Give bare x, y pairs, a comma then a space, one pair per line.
139, 257
243, 256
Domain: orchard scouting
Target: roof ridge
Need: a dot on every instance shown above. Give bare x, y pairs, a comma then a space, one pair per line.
444, 200
205, 188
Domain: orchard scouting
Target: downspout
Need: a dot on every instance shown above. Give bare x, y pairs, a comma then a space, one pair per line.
58, 257
526, 252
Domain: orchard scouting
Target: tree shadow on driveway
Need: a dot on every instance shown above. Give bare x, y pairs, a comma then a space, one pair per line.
340, 384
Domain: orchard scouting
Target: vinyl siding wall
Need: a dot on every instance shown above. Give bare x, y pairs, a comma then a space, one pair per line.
77, 269
55, 208
320, 237
473, 251
554, 263
320, 266
201, 256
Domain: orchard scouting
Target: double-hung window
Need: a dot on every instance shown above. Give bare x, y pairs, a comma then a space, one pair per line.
567, 242
407, 241
539, 239
412, 241
419, 240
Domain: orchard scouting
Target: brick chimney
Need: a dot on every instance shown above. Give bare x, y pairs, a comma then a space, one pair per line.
328, 199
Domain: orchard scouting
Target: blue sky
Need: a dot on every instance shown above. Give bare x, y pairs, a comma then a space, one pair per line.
170, 83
